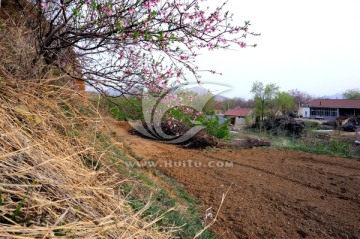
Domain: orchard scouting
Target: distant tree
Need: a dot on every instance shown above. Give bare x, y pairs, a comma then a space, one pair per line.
235, 102
242, 103
300, 97
353, 94
285, 102
264, 96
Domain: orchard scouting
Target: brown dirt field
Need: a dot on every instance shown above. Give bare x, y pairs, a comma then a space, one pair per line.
273, 193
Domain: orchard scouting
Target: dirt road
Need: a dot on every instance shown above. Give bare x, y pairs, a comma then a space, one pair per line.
273, 193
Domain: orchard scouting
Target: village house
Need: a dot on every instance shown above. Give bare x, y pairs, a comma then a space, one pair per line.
330, 109
237, 116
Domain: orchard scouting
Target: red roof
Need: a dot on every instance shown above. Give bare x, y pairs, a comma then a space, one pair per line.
241, 112
338, 103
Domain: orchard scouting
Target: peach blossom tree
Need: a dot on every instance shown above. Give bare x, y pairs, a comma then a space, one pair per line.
129, 44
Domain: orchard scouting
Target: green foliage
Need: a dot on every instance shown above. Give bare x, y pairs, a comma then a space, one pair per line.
332, 147
16, 213
121, 108
188, 219
214, 128
340, 147
185, 196
124, 109
17, 216
352, 94
264, 96
285, 102
310, 142
211, 122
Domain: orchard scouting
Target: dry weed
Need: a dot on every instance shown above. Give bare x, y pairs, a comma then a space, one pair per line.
45, 189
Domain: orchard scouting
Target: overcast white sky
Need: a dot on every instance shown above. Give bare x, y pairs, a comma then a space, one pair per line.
310, 45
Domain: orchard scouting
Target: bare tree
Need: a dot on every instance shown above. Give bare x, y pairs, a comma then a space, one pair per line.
301, 98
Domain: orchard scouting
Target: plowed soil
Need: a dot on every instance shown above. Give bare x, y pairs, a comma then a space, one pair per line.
273, 193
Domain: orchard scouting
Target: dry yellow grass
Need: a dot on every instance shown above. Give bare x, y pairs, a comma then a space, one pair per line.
46, 191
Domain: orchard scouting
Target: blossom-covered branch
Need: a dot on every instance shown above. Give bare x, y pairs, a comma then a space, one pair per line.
126, 44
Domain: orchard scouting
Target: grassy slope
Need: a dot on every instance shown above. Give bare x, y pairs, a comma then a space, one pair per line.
56, 175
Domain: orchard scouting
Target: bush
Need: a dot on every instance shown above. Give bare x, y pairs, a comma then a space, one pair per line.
121, 108
339, 147
189, 117
215, 128
332, 146
127, 108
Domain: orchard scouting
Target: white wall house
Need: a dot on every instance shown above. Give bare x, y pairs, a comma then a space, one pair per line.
304, 111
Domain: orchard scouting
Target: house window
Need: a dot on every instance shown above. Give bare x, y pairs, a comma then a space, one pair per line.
323, 112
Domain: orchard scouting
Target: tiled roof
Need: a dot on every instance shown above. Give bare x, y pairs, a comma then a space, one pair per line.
336, 103
241, 112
